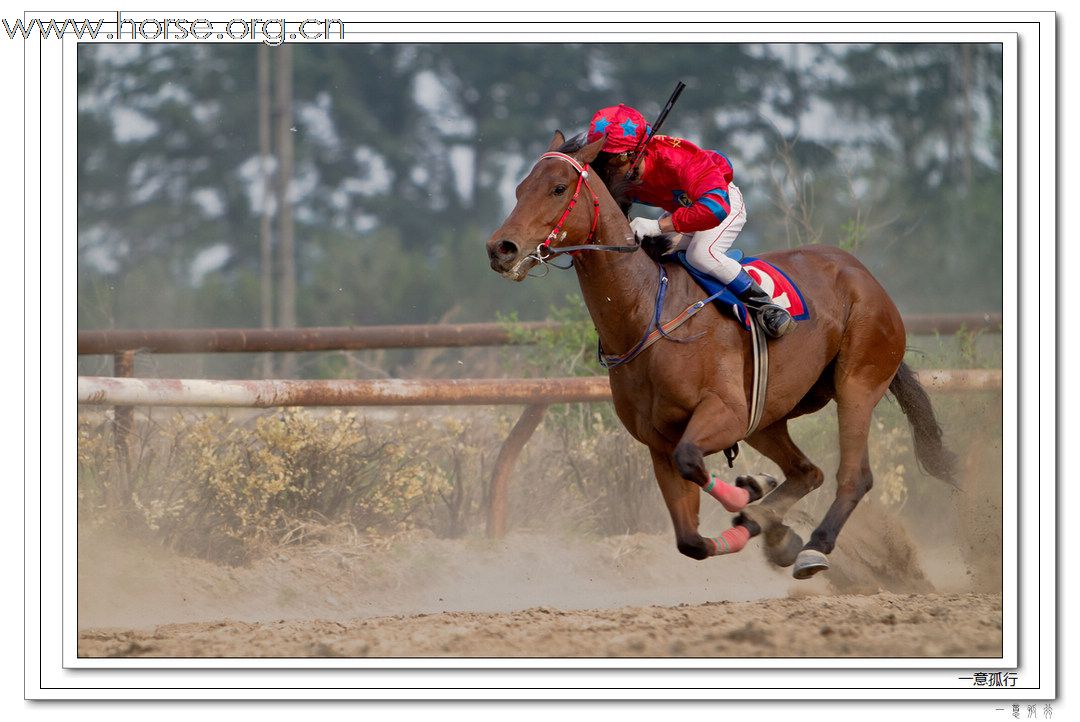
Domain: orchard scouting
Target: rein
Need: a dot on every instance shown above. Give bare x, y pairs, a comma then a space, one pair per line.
656, 330
544, 253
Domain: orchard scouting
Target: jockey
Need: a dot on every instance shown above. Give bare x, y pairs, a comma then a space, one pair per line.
694, 187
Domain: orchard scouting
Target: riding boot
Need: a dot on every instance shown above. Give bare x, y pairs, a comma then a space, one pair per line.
774, 319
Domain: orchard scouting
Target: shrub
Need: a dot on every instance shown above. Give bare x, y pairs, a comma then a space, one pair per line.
223, 490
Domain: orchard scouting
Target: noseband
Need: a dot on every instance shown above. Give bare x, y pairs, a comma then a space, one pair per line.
544, 251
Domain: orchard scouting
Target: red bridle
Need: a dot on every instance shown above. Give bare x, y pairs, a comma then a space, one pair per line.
583, 179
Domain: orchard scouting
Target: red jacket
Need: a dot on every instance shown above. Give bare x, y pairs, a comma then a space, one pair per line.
688, 182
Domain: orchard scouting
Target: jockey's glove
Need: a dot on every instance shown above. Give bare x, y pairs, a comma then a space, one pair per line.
645, 228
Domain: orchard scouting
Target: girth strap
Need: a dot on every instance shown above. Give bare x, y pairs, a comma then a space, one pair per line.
760, 347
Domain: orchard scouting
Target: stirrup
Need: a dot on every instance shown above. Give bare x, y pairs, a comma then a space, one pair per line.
775, 321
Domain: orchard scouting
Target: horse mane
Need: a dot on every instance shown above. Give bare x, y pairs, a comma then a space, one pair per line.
619, 188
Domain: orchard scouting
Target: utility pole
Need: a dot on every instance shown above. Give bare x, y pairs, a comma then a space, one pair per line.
266, 257
968, 135
286, 250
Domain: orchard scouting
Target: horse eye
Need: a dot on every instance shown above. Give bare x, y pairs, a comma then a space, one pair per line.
559, 190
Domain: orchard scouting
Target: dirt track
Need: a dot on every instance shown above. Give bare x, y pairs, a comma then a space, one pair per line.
880, 625
536, 595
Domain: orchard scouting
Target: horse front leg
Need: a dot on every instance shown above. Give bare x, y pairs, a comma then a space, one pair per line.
682, 476
683, 500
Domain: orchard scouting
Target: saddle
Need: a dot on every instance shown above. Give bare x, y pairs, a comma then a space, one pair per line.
771, 279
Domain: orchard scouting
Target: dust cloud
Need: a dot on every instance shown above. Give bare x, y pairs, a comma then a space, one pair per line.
925, 582
534, 595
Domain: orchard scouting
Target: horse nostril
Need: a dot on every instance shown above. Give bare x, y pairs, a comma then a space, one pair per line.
506, 249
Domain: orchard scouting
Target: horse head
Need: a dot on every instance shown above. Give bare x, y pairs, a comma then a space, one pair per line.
560, 203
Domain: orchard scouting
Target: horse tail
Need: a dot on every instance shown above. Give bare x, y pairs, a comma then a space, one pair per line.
930, 452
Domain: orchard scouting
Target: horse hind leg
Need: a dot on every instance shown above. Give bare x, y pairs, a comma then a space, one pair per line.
801, 477
851, 488
871, 351
853, 479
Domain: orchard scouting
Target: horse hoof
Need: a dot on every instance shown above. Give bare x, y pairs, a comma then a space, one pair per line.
782, 545
808, 563
763, 517
758, 485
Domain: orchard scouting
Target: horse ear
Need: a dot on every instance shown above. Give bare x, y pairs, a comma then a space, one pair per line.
557, 142
588, 153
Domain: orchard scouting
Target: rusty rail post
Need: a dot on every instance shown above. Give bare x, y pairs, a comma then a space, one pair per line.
504, 465
311, 338
123, 424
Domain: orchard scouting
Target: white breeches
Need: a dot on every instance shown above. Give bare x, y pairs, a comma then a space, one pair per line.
706, 249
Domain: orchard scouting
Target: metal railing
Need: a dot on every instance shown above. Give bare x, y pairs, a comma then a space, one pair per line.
359, 338
535, 394
124, 392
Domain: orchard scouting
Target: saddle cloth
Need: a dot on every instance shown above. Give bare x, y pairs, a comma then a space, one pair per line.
771, 279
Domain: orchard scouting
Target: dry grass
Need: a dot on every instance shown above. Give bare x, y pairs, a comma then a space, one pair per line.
233, 487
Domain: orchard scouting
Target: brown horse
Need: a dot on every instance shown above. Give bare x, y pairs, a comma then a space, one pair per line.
685, 401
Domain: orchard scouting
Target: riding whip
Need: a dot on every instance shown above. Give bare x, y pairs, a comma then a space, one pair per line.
639, 150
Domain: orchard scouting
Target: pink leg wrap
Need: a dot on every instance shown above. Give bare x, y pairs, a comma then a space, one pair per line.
732, 497
731, 541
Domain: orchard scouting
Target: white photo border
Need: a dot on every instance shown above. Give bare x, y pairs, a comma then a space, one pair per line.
1029, 604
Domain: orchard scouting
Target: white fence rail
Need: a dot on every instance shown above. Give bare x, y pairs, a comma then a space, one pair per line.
119, 391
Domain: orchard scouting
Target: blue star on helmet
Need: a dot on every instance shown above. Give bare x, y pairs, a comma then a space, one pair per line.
629, 128
601, 124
